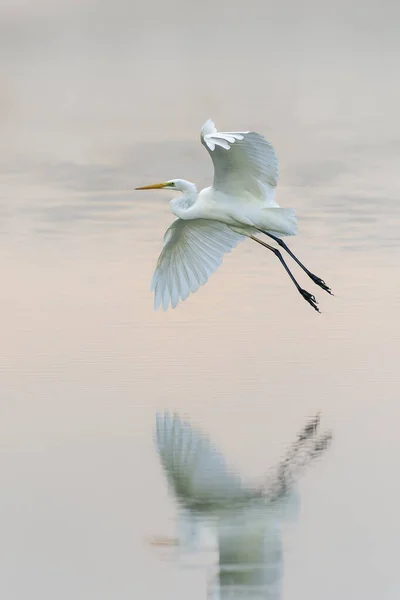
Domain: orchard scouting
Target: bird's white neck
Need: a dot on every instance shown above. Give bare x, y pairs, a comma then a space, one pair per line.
181, 205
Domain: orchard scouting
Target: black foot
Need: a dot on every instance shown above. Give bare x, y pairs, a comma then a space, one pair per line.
310, 299
320, 282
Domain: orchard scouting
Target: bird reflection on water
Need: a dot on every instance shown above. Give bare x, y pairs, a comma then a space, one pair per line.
240, 522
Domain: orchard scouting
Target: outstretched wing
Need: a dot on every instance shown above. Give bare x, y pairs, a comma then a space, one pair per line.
195, 470
244, 162
192, 251
281, 486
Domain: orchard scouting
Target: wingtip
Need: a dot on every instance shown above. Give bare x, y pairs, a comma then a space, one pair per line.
208, 127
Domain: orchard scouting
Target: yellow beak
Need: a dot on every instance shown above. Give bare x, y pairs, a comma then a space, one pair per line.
154, 186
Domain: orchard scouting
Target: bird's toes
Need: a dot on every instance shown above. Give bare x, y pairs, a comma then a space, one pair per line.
321, 283
310, 298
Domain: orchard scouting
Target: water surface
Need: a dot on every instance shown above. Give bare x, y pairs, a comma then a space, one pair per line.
100, 97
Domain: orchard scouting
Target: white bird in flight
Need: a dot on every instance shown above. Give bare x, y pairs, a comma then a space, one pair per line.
244, 517
240, 203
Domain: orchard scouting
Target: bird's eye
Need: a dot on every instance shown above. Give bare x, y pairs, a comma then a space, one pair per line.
172, 184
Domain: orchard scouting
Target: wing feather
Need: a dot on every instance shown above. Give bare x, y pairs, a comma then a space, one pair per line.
196, 471
193, 250
244, 162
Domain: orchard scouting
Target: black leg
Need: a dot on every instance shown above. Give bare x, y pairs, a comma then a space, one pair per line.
315, 279
306, 295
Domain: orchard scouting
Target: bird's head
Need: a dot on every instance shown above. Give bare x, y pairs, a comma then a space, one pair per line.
173, 184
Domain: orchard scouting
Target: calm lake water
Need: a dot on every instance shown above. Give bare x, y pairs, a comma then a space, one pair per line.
100, 97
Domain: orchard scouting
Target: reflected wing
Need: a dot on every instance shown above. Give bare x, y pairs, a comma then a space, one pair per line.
244, 162
196, 471
281, 487
192, 251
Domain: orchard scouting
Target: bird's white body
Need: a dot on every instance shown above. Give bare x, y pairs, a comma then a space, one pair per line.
250, 557
240, 202
243, 214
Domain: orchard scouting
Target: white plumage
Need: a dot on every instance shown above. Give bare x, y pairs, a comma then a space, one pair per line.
250, 167
192, 251
240, 203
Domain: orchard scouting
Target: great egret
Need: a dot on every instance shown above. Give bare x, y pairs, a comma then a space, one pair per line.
245, 518
240, 203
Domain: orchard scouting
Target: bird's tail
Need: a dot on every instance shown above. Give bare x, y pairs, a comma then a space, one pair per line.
279, 221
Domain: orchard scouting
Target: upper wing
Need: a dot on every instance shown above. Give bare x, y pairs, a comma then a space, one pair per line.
195, 469
192, 251
243, 162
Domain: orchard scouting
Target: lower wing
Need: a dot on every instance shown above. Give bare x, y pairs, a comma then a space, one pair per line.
192, 251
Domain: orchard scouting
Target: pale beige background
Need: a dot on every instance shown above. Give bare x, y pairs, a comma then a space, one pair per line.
98, 97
